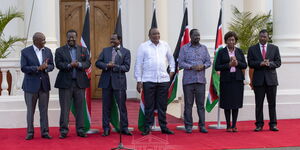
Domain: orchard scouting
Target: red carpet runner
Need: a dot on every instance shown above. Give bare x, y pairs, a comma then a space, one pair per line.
288, 136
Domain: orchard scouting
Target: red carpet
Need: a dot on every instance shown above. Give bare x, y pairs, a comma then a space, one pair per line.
288, 136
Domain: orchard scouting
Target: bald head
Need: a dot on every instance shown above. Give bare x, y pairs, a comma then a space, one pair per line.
39, 40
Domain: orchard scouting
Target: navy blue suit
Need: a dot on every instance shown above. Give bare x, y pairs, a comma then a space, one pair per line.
34, 79
114, 84
36, 85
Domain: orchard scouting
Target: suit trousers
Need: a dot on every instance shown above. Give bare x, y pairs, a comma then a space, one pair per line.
108, 95
31, 100
260, 92
156, 94
194, 92
67, 97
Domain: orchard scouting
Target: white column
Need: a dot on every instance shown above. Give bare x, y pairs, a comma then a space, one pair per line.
286, 21
45, 19
256, 6
4, 84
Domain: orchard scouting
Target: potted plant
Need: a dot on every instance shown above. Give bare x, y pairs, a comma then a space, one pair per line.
247, 26
7, 42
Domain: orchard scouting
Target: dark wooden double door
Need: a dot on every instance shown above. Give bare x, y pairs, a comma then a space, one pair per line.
103, 14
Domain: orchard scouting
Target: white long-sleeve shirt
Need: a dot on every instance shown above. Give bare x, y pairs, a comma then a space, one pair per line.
152, 62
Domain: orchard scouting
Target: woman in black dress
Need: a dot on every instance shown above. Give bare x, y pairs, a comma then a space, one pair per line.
230, 62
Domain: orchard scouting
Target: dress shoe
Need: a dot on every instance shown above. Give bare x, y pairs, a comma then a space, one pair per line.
29, 137
167, 131
81, 134
126, 132
274, 128
106, 133
257, 129
229, 130
46, 136
234, 130
146, 132
203, 130
188, 130
62, 135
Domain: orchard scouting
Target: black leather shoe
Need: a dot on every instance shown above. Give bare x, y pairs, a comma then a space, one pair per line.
46, 136
188, 130
29, 137
257, 129
203, 130
274, 128
146, 132
126, 132
106, 133
81, 134
167, 131
62, 135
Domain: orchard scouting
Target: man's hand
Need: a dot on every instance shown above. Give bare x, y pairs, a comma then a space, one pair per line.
74, 64
171, 74
198, 67
110, 64
139, 86
43, 66
265, 63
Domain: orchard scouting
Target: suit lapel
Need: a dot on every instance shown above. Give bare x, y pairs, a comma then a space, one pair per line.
268, 51
67, 53
78, 53
35, 56
109, 55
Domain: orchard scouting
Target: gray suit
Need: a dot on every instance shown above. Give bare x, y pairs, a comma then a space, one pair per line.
36, 86
72, 83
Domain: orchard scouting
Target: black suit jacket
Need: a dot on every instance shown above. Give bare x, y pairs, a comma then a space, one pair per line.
222, 64
62, 61
266, 74
111, 75
33, 78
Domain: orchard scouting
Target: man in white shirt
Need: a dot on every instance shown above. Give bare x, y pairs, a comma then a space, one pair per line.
153, 58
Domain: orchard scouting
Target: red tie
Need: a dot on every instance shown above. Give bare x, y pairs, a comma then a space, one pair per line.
263, 51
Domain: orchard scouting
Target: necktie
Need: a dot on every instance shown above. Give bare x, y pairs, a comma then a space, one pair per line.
263, 51
113, 55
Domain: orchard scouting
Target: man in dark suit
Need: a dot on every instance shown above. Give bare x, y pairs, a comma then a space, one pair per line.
264, 58
36, 62
72, 60
114, 62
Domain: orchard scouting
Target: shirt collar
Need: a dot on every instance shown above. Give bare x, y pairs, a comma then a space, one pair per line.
260, 45
190, 45
151, 43
71, 47
37, 49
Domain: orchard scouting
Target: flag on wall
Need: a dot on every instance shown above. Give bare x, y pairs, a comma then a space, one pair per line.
214, 90
85, 42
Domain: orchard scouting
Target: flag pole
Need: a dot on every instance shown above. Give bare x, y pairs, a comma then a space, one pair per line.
219, 125
90, 131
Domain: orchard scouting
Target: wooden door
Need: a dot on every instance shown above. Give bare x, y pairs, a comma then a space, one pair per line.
103, 14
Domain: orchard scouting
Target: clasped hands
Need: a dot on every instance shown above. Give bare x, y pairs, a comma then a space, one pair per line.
198, 67
233, 61
43, 66
266, 62
110, 64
